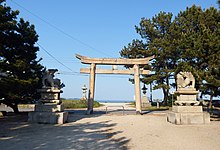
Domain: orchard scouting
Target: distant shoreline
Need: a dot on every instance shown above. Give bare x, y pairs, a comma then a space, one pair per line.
114, 101
106, 101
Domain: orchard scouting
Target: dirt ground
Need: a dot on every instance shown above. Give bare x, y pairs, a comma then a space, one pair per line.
107, 131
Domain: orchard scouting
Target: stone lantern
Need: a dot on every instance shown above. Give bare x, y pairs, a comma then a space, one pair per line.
145, 101
144, 89
84, 91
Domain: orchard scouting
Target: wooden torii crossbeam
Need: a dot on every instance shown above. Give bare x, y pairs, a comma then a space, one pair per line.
136, 71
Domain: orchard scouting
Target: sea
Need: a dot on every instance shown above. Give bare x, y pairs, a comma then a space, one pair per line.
106, 101
115, 101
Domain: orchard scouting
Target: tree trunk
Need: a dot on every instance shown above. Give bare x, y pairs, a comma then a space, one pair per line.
210, 103
165, 96
167, 90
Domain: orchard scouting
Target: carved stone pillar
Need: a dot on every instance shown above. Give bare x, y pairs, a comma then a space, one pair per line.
137, 88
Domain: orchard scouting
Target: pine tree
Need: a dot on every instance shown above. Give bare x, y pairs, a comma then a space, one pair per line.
200, 47
157, 40
190, 42
19, 67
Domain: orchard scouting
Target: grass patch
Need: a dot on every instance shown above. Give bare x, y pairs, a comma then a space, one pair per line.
132, 104
68, 104
152, 108
78, 104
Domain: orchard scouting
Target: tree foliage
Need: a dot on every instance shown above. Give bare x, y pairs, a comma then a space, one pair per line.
157, 40
188, 42
200, 46
20, 70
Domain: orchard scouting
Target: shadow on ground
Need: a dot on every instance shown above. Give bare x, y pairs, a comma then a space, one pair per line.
214, 113
17, 133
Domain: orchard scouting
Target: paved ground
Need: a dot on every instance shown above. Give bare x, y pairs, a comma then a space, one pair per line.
107, 131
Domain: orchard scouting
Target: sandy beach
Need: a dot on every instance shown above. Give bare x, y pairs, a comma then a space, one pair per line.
108, 131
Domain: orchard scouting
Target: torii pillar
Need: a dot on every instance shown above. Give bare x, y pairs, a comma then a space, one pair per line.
137, 88
91, 89
136, 71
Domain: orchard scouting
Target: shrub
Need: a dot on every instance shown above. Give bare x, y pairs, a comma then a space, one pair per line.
78, 104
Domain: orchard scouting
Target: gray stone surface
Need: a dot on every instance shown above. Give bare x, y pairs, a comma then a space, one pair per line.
146, 105
49, 114
50, 95
185, 80
49, 108
145, 102
186, 92
186, 118
48, 117
84, 92
187, 111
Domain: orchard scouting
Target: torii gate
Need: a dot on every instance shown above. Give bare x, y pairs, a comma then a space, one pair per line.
136, 71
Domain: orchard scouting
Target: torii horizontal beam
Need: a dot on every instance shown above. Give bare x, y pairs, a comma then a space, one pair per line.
109, 71
114, 61
136, 71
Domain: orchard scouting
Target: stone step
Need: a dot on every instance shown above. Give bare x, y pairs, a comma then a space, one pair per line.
49, 108
48, 117
185, 118
187, 109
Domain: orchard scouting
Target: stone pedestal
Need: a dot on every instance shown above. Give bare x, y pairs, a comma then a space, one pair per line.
145, 102
187, 110
50, 95
48, 113
186, 96
49, 108
184, 115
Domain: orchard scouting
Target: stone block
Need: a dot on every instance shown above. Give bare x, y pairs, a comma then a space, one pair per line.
186, 89
49, 94
186, 97
173, 118
47, 117
145, 105
49, 90
46, 96
191, 118
187, 103
49, 108
206, 117
187, 108
185, 118
50, 101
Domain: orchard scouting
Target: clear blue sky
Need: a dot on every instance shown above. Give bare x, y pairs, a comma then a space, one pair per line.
97, 28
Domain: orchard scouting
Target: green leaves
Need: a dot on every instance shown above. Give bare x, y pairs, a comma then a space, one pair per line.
18, 58
200, 44
188, 42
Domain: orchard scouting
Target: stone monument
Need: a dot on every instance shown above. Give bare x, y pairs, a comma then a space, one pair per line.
145, 101
186, 109
49, 109
84, 91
